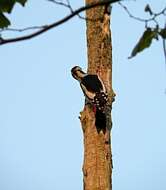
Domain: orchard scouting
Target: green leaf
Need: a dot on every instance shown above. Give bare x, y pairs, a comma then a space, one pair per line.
145, 41
4, 22
6, 5
148, 9
22, 2
163, 33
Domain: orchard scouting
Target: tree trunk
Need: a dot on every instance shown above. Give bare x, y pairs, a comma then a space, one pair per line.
97, 166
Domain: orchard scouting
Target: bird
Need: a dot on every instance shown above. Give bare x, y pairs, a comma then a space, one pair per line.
92, 87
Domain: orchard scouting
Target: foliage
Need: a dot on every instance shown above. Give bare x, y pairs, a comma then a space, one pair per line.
150, 33
162, 33
145, 41
6, 6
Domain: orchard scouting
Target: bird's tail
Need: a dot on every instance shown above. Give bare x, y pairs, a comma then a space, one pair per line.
100, 121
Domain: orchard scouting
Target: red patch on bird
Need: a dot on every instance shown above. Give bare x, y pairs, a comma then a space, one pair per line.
94, 108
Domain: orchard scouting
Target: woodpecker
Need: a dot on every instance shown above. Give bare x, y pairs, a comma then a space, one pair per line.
92, 87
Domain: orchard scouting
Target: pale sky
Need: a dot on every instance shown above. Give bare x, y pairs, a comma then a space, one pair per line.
41, 141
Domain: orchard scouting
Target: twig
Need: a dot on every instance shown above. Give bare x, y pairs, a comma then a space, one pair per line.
164, 48
67, 5
153, 18
23, 29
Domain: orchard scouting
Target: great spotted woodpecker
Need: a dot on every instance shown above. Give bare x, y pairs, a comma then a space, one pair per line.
92, 87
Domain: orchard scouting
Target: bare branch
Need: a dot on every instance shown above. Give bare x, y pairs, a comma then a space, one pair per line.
67, 4
59, 22
23, 29
129, 14
146, 21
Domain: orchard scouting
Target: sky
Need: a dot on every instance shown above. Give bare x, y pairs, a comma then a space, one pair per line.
41, 141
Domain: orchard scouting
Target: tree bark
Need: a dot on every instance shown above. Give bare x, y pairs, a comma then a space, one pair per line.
97, 166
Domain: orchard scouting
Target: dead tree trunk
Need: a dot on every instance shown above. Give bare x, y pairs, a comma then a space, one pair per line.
97, 166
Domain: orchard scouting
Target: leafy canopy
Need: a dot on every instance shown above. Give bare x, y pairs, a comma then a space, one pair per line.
6, 6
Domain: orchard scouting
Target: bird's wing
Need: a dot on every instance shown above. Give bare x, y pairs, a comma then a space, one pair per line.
92, 83
87, 93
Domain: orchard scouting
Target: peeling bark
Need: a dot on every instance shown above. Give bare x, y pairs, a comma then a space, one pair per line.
97, 166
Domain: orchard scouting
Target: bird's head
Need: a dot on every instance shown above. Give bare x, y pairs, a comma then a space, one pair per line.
77, 73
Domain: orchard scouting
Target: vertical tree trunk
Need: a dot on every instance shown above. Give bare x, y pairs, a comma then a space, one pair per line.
97, 166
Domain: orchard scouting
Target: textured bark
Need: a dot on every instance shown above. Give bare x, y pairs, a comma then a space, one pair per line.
97, 166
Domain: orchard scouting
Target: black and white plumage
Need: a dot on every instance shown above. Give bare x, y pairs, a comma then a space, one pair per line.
92, 87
